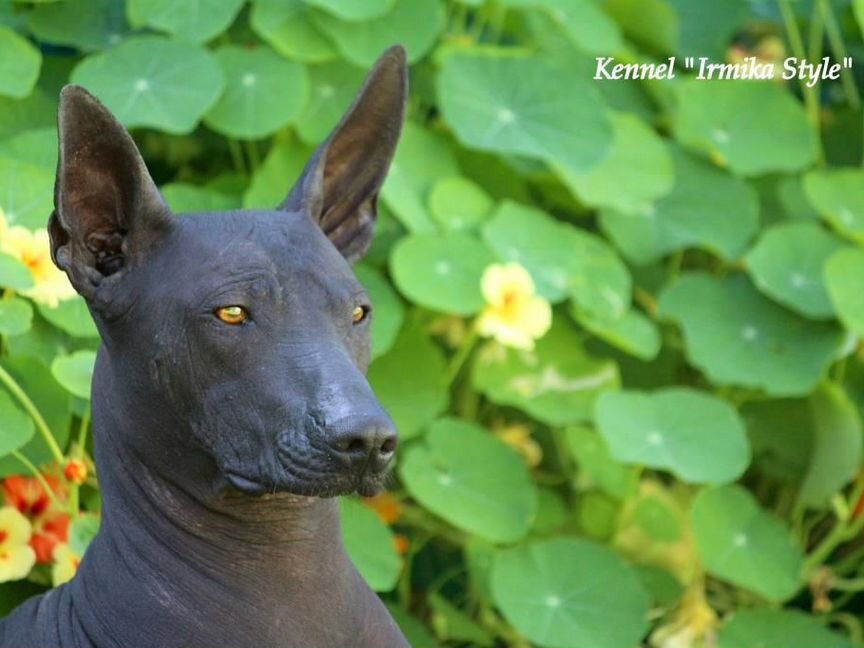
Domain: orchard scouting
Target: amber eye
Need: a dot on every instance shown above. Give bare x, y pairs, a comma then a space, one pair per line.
359, 314
233, 315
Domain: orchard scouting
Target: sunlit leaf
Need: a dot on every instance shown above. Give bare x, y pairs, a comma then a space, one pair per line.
370, 545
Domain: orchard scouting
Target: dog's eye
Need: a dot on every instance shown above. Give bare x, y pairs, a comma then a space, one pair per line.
233, 315
359, 314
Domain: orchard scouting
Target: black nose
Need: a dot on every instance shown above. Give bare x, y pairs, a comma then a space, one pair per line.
364, 440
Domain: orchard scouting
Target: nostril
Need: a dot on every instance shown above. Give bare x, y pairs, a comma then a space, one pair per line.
389, 446
356, 445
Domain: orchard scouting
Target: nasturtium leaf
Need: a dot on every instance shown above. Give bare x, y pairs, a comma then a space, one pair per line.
415, 24
836, 449
18, 427
650, 23
657, 520
838, 195
786, 264
570, 593
562, 259
632, 332
455, 625
552, 512
462, 473
14, 274
843, 272
422, 158
585, 24
50, 399
196, 21
597, 515
387, 309
37, 146
88, 26
456, 203
778, 629
285, 25
417, 633
738, 337
637, 171
370, 545
153, 82
597, 468
441, 272
75, 372
523, 106
413, 403
16, 316
697, 437
82, 531
184, 198
354, 11
556, 383
19, 64
753, 128
783, 456
663, 587
740, 543
72, 316
706, 208
274, 179
706, 29
333, 86
263, 92
26, 192
37, 110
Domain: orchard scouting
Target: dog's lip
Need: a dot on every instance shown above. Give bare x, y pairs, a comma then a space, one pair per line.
244, 484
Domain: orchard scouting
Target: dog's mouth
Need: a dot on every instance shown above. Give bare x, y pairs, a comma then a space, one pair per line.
365, 483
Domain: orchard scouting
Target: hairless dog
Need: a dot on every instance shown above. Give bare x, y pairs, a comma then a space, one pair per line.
229, 397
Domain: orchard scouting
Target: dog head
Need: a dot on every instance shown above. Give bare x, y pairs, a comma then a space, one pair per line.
244, 333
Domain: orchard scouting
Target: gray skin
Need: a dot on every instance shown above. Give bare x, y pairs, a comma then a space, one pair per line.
220, 447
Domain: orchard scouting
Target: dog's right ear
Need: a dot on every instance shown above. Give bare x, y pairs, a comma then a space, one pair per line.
107, 209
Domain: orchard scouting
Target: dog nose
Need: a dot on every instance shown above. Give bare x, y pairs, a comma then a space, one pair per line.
369, 441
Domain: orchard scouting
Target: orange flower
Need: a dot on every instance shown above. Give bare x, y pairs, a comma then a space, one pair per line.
50, 522
16, 557
65, 565
76, 471
402, 544
386, 506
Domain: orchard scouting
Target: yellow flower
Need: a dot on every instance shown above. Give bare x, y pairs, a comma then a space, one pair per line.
33, 250
693, 624
16, 555
65, 564
515, 315
518, 437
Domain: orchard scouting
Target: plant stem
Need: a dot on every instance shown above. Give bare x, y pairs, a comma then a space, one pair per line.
237, 156
82, 433
252, 155
461, 356
835, 38
12, 385
38, 475
844, 529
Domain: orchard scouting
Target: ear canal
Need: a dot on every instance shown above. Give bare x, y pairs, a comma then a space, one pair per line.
107, 209
340, 185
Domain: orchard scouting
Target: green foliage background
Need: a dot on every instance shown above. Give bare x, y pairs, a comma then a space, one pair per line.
697, 401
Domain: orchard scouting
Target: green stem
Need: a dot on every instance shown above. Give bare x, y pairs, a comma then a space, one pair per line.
237, 157
252, 155
34, 413
38, 475
844, 529
82, 433
835, 38
461, 356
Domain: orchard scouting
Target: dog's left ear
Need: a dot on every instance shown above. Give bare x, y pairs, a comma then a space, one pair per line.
340, 184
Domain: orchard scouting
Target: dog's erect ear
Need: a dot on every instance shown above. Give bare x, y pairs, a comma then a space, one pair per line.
340, 185
107, 210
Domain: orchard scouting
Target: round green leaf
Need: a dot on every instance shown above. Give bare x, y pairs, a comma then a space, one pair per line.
523, 106
88, 26
19, 64
633, 332
263, 92
185, 198
706, 208
778, 629
25, 192
333, 87
370, 545
37, 110
456, 203
472, 480
441, 272
196, 21
153, 82
585, 24
413, 23
286, 26
569, 593
562, 259
411, 403
72, 316
738, 337
18, 427
276, 175
14, 274
37, 146
556, 383
843, 272
82, 531
786, 264
753, 128
597, 468
16, 316
639, 156
351, 10
75, 372
838, 195
388, 312
741, 543
695, 436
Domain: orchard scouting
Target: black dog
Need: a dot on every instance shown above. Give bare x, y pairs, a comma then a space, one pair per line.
229, 398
